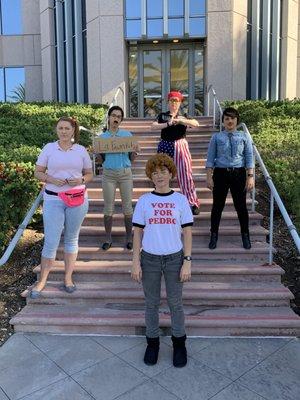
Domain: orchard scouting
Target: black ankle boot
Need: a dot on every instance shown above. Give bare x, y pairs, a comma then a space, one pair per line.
213, 241
179, 354
246, 241
151, 353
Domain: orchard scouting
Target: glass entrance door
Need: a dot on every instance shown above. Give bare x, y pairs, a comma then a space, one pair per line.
155, 70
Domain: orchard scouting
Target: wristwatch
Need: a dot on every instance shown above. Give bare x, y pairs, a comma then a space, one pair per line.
250, 175
187, 258
82, 180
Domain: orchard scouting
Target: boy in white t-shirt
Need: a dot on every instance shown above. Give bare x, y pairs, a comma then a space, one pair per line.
161, 216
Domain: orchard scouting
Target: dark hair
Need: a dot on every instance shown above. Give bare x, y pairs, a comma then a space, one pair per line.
74, 124
160, 160
231, 112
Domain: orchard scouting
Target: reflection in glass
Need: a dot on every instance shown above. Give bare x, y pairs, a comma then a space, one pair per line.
197, 7
133, 82
15, 82
176, 27
133, 9
175, 8
11, 17
199, 84
197, 27
152, 83
179, 62
133, 28
154, 27
154, 8
1, 84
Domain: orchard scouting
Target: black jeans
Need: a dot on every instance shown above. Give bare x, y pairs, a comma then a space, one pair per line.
235, 180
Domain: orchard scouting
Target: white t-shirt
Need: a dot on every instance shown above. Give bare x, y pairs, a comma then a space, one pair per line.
63, 165
162, 216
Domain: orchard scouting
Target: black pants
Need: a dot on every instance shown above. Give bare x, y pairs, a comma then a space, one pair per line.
235, 180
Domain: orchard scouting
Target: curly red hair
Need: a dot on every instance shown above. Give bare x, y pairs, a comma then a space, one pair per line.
160, 161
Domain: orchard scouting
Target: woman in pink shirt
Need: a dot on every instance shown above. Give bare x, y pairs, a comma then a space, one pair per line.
62, 165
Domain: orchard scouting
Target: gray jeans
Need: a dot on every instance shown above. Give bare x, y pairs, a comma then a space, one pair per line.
153, 266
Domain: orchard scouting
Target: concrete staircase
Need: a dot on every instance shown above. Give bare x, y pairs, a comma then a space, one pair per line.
233, 291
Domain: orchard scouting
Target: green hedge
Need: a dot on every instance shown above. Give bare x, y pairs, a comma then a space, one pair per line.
24, 129
275, 128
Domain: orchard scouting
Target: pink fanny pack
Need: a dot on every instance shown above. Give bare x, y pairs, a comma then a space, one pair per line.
72, 197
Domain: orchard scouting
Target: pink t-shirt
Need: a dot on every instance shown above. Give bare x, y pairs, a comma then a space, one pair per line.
63, 164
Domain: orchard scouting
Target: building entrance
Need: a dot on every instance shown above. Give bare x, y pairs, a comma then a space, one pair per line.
154, 70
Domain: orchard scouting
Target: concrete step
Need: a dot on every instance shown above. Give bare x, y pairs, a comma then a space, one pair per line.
201, 220
202, 137
195, 294
221, 321
227, 234
233, 252
119, 271
206, 205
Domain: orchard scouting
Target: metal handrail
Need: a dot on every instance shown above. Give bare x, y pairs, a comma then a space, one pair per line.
21, 229
215, 106
274, 195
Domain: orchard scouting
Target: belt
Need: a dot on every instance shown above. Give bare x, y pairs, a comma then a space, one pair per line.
51, 193
230, 169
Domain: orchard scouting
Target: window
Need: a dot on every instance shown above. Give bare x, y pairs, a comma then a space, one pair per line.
12, 84
10, 17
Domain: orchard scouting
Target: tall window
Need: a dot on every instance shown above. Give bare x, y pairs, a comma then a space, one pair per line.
155, 19
70, 45
10, 17
12, 84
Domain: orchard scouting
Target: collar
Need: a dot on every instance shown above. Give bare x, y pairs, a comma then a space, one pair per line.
162, 194
59, 148
230, 133
113, 134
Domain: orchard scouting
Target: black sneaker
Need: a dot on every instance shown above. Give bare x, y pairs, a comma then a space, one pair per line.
151, 353
195, 209
246, 241
213, 241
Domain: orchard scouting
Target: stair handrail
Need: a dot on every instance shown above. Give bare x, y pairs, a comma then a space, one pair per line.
274, 195
113, 103
10, 248
210, 91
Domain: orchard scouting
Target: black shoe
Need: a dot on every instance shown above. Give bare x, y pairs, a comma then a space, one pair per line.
213, 241
195, 209
151, 353
129, 245
106, 245
179, 351
246, 241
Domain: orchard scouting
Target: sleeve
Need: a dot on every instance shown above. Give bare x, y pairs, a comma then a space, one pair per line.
162, 118
186, 216
211, 152
138, 218
248, 154
87, 162
42, 160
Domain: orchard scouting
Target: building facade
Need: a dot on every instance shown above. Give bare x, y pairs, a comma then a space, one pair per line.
84, 50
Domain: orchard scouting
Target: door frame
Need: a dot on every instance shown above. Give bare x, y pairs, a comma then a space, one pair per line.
165, 49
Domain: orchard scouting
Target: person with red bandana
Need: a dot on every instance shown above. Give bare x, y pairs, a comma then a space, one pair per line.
173, 142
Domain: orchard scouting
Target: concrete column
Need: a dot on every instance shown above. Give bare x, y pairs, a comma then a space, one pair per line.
106, 50
226, 52
298, 56
48, 50
289, 57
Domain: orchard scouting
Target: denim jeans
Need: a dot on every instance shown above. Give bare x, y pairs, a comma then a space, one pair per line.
153, 266
57, 216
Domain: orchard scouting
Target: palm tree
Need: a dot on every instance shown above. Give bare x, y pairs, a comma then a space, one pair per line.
18, 94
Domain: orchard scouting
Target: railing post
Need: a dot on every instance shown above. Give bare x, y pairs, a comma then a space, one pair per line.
253, 190
271, 228
214, 111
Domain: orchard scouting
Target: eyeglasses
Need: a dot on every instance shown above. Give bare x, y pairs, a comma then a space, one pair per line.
174, 100
116, 116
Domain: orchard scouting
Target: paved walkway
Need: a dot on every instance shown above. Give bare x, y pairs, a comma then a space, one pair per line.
49, 367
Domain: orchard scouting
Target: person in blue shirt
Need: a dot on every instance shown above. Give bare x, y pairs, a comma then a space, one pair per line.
229, 165
117, 173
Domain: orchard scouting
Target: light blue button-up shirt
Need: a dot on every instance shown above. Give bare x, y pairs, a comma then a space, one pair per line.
229, 150
116, 160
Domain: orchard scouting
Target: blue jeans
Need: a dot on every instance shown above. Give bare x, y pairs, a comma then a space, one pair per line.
57, 216
153, 266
